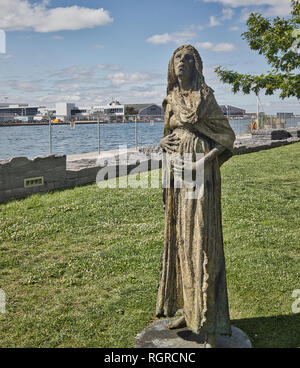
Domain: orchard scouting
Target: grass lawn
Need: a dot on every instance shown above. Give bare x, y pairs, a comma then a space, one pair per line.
81, 267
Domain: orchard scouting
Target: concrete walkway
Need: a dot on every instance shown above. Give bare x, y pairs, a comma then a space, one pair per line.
92, 159
94, 155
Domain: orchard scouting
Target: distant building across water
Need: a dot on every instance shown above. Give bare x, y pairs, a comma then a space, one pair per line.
17, 111
114, 111
229, 110
285, 115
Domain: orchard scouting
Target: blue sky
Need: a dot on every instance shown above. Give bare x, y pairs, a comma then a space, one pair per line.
91, 51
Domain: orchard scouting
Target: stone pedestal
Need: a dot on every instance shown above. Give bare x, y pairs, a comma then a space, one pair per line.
157, 335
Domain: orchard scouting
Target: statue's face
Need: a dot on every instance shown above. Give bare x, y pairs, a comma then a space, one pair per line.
184, 64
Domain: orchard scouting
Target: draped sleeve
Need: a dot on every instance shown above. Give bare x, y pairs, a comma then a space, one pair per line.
214, 125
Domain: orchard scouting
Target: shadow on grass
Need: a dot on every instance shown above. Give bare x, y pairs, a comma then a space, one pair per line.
272, 332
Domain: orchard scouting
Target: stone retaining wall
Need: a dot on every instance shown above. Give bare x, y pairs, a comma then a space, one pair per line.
55, 172
14, 171
52, 173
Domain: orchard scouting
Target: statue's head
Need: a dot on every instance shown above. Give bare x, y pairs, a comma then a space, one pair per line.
185, 63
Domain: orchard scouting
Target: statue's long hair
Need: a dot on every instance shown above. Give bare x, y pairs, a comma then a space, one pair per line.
198, 78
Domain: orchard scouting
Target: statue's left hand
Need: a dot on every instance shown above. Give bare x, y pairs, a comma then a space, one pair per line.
170, 143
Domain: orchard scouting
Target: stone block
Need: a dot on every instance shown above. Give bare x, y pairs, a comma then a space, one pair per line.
13, 172
274, 134
294, 132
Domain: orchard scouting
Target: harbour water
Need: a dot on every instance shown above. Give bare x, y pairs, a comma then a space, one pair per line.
31, 141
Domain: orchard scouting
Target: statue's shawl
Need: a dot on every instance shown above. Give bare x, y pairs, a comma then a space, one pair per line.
200, 109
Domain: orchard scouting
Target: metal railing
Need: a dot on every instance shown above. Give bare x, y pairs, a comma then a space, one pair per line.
241, 125
245, 125
100, 119
136, 131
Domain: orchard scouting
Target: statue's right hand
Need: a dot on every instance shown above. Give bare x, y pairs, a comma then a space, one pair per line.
170, 143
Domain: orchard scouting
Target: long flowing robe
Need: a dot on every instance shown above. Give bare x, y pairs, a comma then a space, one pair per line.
193, 265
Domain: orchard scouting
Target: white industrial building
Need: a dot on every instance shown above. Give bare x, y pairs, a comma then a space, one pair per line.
17, 111
67, 111
64, 110
44, 113
112, 110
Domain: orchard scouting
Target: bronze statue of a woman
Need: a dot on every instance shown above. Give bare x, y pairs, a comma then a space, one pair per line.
193, 276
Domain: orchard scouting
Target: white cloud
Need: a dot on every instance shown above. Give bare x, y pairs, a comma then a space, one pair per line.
227, 13
25, 86
82, 74
205, 45
177, 37
127, 78
107, 67
69, 98
57, 37
219, 47
160, 39
65, 85
146, 95
213, 21
23, 15
275, 7
234, 28
216, 21
190, 32
280, 8
224, 47
86, 85
2, 42
245, 12
75, 72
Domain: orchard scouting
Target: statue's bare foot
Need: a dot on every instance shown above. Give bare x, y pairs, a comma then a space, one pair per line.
210, 341
178, 323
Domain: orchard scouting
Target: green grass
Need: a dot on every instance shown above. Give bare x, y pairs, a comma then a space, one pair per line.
81, 267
